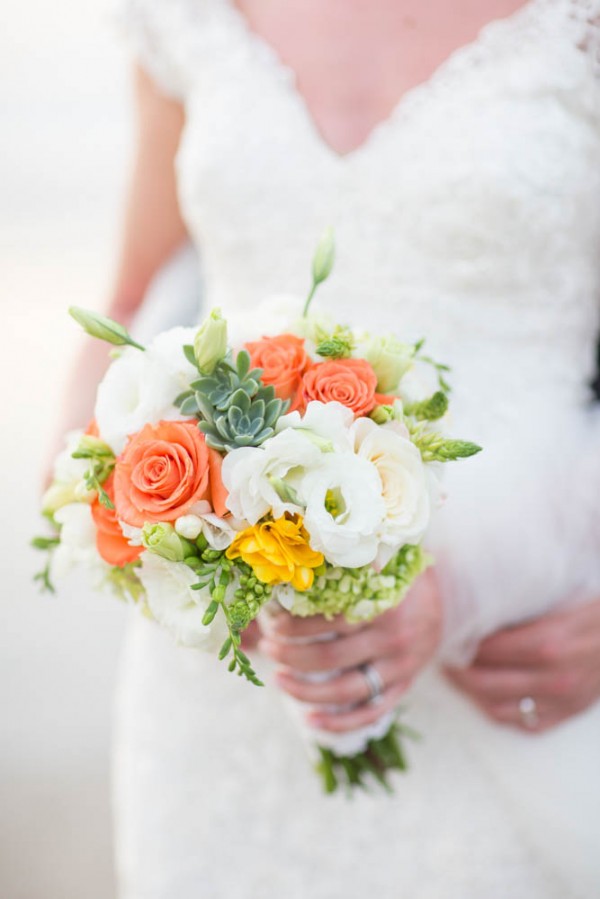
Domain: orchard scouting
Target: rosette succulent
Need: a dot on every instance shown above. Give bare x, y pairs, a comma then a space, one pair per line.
234, 407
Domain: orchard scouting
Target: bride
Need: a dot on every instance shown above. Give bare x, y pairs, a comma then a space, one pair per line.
455, 150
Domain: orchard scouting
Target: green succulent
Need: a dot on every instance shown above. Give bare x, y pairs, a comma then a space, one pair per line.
247, 422
234, 407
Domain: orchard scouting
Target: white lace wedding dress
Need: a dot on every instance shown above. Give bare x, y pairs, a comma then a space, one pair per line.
472, 216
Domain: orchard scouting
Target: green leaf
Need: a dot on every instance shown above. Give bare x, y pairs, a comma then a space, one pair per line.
325, 769
182, 397
45, 543
243, 364
188, 352
189, 406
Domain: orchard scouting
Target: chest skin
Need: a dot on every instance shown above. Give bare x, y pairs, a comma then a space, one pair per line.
354, 59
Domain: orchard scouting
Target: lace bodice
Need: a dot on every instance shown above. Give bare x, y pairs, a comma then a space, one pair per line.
471, 215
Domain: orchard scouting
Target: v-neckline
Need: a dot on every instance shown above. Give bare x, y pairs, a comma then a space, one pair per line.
263, 48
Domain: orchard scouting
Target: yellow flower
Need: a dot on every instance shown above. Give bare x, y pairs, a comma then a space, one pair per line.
278, 552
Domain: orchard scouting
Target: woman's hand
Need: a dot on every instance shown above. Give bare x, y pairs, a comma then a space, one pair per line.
398, 644
554, 660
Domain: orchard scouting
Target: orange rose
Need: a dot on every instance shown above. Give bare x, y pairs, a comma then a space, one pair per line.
284, 361
163, 470
110, 542
351, 382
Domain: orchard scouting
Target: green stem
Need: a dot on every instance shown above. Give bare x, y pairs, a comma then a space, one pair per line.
311, 294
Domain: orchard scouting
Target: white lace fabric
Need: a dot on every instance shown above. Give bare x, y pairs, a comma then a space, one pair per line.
471, 217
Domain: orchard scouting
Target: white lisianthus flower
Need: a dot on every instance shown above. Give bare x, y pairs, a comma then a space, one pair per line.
67, 484
177, 607
139, 387
327, 424
268, 478
405, 487
344, 509
77, 547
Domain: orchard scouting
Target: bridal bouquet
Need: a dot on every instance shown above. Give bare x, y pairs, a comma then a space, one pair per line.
294, 467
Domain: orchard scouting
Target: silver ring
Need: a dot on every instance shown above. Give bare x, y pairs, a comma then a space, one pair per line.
373, 680
529, 712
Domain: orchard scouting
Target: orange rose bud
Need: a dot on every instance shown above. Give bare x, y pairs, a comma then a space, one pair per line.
110, 542
351, 382
161, 473
284, 361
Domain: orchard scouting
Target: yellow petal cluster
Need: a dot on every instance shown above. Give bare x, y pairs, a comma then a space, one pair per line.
278, 552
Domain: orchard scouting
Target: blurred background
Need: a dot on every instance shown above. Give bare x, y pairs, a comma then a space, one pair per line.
64, 158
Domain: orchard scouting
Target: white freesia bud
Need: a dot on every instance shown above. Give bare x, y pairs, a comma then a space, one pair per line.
210, 342
189, 526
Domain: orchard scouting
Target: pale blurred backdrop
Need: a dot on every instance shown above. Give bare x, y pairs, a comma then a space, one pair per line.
64, 156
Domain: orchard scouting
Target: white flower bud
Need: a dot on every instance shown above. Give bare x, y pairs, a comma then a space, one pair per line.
210, 342
189, 526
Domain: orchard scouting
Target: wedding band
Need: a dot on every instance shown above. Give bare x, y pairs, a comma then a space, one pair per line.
373, 680
529, 712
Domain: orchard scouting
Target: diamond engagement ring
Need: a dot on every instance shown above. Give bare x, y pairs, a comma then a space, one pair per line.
373, 681
529, 712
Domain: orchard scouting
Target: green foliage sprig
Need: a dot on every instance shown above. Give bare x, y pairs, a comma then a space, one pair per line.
217, 572
102, 463
47, 545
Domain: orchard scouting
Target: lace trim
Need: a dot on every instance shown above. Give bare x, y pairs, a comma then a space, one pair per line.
524, 24
164, 35
587, 14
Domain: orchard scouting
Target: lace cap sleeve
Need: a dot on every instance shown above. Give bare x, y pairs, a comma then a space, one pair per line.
149, 29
